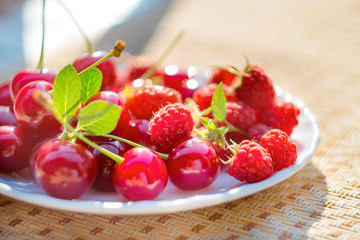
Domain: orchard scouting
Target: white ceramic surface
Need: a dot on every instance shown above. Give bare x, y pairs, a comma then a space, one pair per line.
306, 135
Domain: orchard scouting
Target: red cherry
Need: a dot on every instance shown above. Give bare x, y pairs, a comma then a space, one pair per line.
25, 76
31, 115
141, 176
193, 164
5, 98
15, 147
107, 68
65, 169
7, 117
115, 98
103, 181
138, 132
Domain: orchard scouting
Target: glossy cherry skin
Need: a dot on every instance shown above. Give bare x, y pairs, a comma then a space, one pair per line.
138, 132
115, 98
31, 115
193, 164
65, 169
107, 68
103, 181
7, 117
15, 147
24, 77
5, 99
141, 176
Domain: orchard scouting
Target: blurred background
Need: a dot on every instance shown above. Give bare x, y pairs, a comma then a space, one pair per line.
293, 41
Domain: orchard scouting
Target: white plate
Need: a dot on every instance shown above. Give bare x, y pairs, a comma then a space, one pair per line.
224, 189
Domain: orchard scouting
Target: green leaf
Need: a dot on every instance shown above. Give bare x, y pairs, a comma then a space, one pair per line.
218, 103
66, 92
90, 83
205, 121
99, 117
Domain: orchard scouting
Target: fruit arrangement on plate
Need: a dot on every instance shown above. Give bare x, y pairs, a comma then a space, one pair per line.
133, 127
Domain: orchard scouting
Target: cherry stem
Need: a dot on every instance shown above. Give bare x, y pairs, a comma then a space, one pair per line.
46, 102
41, 60
82, 32
115, 52
150, 72
134, 144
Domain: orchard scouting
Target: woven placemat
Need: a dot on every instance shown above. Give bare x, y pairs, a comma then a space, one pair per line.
309, 49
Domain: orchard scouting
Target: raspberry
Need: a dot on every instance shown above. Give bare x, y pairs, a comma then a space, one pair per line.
256, 131
251, 163
281, 115
281, 148
240, 115
256, 89
203, 96
219, 75
148, 99
171, 124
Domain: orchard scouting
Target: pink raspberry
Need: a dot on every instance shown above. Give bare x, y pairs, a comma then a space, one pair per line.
281, 115
256, 89
255, 132
240, 115
171, 124
203, 96
281, 148
251, 163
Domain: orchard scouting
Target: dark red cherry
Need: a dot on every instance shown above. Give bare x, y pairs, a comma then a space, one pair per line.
31, 115
7, 117
181, 80
65, 169
193, 164
5, 99
115, 98
107, 68
26, 76
103, 181
141, 176
15, 147
138, 132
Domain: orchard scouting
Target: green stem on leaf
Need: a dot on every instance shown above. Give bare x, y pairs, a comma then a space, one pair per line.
45, 101
41, 60
234, 129
115, 52
150, 72
134, 144
82, 32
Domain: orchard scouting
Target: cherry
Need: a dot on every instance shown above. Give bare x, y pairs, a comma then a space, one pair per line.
31, 115
180, 80
193, 164
103, 181
115, 98
15, 147
107, 68
65, 169
5, 98
7, 117
141, 176
138, 132
24, 77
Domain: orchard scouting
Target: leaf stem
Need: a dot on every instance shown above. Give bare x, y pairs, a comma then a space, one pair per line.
41, 60
115, 52
45, 101
150, 72
134, 144
82, 32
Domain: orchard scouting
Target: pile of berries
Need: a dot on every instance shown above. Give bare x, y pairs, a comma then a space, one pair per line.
88, 126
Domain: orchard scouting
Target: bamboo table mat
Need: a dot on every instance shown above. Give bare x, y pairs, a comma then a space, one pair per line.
312, 50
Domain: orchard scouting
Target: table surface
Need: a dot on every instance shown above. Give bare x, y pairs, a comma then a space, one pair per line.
312, 50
